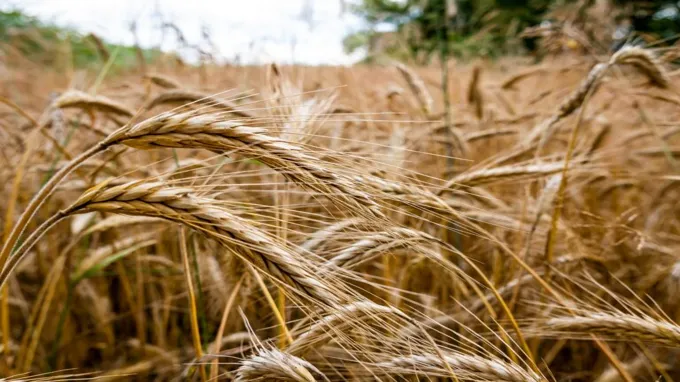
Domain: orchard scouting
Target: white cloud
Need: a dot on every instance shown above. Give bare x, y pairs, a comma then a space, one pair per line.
255, 30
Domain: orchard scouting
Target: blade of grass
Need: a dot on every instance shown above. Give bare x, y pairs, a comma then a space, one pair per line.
105, 70
96, 268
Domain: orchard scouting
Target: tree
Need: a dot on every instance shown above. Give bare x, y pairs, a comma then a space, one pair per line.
659, 19
492, 27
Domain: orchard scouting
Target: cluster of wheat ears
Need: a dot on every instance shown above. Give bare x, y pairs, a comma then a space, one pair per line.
331, 226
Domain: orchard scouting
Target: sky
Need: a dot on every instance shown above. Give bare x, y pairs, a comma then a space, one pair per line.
256, 31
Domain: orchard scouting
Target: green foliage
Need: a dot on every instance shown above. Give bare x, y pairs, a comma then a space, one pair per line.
354, 41
471, 27
659, 18
383, 11
46, 43
491, 27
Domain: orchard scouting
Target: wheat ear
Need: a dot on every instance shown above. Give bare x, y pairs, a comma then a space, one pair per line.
546, 129
274, 365
213, 133
408, 195
642, 59
474, 94
183, 96
371, 246
179, 205
504, 173
163, 81
465, 366
645, 61
101, 47
341, 319
618, 325
317, 239
78, 99
488, 133
514, 79
418, 88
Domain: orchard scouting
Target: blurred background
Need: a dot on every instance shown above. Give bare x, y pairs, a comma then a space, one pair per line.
334, 32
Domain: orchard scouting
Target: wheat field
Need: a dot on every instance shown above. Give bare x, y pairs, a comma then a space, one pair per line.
262, 223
